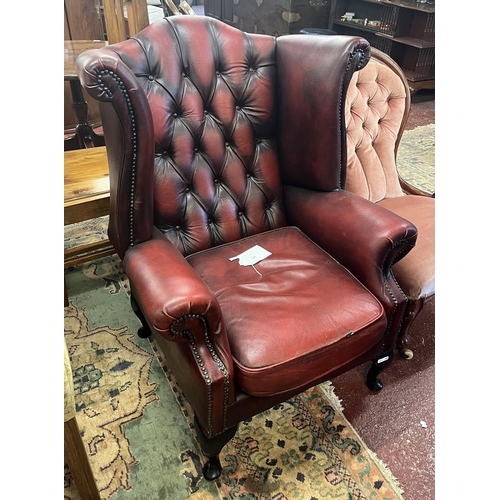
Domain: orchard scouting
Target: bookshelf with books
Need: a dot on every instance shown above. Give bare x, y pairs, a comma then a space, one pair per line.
403, 29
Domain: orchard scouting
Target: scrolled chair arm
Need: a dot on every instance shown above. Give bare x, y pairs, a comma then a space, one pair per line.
177, 304
365, 238
173, 298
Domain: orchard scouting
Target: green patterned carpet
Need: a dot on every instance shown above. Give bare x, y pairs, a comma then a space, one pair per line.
416, 157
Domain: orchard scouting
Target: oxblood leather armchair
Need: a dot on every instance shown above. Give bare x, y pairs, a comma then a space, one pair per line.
218, 141
377, 107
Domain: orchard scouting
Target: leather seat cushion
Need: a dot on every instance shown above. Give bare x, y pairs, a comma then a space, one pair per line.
415, 272
301, 318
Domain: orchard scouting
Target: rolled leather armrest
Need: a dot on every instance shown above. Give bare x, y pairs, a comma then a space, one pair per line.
365, 238
356, 232
180, 307
170, 293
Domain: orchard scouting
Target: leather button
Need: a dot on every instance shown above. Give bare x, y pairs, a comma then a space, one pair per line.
151, 77
178, 228
238, 108
227, 144
195, 150
175, 115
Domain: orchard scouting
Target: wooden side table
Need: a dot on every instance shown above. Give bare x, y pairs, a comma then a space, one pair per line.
86, 196
84, 133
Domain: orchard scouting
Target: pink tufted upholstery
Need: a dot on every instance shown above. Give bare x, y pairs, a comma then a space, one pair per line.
217, 141
377, 107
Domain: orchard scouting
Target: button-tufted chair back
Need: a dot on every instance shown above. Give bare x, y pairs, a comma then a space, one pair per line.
213, 106
377, 106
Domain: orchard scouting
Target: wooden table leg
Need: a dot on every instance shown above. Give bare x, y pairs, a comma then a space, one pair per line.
77, 459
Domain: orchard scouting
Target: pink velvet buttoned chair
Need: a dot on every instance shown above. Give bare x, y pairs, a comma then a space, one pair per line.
219, 143
377, 108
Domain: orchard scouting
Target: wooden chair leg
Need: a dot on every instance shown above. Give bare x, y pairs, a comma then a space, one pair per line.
66, 300
77, 459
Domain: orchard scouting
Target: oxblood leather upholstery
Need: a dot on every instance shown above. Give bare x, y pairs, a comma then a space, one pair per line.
377, 107
217, 141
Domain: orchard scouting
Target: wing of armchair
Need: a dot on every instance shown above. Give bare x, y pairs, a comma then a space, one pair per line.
222, 143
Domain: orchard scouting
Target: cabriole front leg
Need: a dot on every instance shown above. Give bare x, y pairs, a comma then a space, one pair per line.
211, 448
144, 331
379, 364
413, 309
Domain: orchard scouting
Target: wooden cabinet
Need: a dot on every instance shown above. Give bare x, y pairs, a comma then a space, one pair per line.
220, 9
270, 17
82, 20
403, 29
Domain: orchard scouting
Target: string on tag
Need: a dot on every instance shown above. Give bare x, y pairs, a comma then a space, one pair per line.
256, 271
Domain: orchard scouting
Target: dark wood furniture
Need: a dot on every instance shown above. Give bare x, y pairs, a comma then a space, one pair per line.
271, 17
82, 22
88, 25
402, 29
85, 135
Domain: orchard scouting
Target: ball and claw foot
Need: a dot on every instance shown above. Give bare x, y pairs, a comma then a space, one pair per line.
212, 469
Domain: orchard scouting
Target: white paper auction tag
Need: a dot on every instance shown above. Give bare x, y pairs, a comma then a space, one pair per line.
251, 256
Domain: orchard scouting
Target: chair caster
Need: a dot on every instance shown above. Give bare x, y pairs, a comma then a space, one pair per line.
212, 469
406, 353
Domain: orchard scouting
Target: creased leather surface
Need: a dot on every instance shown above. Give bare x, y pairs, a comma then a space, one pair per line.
304, 315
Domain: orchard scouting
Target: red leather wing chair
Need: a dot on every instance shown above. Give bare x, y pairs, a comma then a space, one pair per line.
377, 107
219, 143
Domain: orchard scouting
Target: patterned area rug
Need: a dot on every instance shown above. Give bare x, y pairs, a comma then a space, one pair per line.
416, 157
137, 429
112, 388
